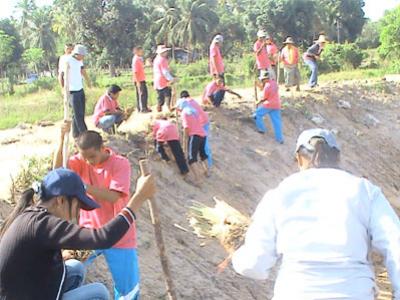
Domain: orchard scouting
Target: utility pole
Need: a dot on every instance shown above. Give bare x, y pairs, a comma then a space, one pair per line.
338, 26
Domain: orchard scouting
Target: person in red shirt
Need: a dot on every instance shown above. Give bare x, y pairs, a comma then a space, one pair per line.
194, 130
166, 132
290, 59
217, 67
270, 104
163, 78
107, 178
261, 53
214, 93
273, 55
139, 80
107, 111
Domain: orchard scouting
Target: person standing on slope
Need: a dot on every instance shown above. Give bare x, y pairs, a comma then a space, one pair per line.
162, 78
260, 50
321, 222
139, 80
311, 57
217, 67
290, 59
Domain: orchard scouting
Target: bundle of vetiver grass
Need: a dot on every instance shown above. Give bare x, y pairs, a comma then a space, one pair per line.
222, 221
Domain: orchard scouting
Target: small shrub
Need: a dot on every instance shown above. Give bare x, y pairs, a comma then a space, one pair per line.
341, 57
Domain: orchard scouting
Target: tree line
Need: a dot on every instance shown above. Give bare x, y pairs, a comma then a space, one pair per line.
110, 28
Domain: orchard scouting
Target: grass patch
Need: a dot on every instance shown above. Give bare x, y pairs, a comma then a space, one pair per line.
357, 74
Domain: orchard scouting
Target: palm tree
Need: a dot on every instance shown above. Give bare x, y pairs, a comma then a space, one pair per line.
25, 7
40, 32
169, 15
197, 20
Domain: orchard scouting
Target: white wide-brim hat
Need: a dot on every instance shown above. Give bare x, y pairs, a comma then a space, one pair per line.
162, 49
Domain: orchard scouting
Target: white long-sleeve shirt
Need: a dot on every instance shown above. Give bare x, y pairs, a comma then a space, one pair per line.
322, 223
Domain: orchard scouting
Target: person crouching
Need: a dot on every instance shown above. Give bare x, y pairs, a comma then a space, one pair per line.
270, 104
192, 124
166, 132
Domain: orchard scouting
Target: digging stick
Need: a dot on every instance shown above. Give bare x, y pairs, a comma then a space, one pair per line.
155, 219
66, 114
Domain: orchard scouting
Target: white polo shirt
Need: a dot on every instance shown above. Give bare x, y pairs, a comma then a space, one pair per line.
75, 75
322, 223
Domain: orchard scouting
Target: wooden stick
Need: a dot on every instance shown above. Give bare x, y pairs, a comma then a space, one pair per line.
66, 115
155, 219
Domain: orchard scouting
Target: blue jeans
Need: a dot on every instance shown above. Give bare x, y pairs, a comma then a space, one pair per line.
73, 288
217, 98
106, 122
276, 120
207, 146
314, 72
124, 267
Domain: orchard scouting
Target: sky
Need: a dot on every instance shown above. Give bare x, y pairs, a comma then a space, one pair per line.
374, 9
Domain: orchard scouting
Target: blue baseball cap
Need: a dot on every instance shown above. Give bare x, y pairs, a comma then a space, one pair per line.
64, 182
306, 136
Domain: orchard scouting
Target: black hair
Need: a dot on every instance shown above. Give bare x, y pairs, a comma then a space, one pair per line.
24, 202
113, 89
323, 155
137, 48
89, 139
185, 94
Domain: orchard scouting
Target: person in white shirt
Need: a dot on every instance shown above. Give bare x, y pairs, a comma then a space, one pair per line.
77, 95
61, 62
321, 223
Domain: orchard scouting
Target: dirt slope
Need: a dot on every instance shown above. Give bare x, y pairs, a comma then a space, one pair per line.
247, 164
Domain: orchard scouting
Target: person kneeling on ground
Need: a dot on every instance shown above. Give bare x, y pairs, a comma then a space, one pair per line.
321, 222
107, 176
107, 112
214, 92
269, 104
164, 131
204, 119
196, 134
33, 236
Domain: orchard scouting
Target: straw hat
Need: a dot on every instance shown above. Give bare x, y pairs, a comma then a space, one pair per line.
262, 33
162, 49
289, 40
322, 39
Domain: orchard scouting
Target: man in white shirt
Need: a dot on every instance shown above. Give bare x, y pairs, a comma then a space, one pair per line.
75, 88
322, 222
61, 62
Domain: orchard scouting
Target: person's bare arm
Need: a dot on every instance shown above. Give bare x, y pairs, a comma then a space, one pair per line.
58, 155
233, 93
61, 79
103, 194
86, 76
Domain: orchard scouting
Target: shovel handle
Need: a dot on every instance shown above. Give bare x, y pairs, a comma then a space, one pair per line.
144, 167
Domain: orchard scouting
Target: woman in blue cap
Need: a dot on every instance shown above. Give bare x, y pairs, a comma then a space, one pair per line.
33, 236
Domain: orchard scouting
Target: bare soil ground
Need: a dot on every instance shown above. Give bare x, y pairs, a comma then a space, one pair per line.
247, 164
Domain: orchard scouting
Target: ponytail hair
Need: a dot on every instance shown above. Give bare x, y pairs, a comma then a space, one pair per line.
323, 156
24, 202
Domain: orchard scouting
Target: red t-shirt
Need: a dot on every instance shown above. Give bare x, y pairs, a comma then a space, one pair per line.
262, 59
165, 130
160, 66
105, 104
272, 50
193, 124
271, 94
113, 174
210, 89
202, 114
138, 68
215, 52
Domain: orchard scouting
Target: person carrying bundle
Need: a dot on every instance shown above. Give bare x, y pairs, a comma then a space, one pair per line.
33, 236
321, 223
204, 119
107, 177
192, 124
166, 132
270, 104
290, 59
107, 112
214, 92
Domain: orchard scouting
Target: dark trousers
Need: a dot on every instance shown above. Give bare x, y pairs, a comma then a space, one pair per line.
196, 145
177, 152
141, 96
164, 95
217, 98
78, 102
